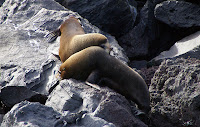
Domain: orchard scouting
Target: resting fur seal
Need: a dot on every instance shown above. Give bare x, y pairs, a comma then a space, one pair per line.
74, 39
127, 82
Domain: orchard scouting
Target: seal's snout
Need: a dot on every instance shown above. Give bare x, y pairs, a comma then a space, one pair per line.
59, 72
58, 75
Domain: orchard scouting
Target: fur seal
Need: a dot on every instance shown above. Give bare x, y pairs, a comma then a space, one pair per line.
127, 82
74, 39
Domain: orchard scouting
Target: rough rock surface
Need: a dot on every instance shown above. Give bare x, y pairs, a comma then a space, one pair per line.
149, 36
146, 35
73, 96
11, 95
175, 93
118, 15
27, 114
178, 14
22, 38
27, 61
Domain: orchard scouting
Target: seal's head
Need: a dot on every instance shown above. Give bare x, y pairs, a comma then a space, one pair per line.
62, 73
71, 20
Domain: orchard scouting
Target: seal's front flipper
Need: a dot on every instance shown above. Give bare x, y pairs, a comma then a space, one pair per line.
94, 77
50, 37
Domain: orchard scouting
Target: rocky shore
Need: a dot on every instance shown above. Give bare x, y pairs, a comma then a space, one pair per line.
158, 38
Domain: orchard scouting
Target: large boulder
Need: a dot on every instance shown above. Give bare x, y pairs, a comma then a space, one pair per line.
28, 65
140, 42
175, 93
11, 95
73, 96
27, 114
26, 58
149, 36
178, 14
113, 16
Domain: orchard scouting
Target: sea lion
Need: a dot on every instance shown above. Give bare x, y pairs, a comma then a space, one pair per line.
127, 82
74, 39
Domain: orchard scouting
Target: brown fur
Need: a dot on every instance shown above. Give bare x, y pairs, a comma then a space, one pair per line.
74, 39
127, 82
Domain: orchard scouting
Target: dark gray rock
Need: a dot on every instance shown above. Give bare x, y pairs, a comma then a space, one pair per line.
74, 96
138, 64
113, 16
197, 2
135, 42
175, 93
11, 95
178, 14
27, 114
150, 36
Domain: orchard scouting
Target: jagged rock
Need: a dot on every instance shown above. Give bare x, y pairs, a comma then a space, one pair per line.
134, 42
175, 93
27, 60
11, 95
27, 114
113, 16
187, 47
178, 14
150, 36
74, 96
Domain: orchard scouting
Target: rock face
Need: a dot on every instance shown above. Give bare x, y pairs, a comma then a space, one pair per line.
26, 114
22, 38
103, 103
178, 14
175, 93
28, 67
11, 95
118, 15
149, 36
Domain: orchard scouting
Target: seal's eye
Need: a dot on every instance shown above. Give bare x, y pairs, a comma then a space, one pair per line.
64, 69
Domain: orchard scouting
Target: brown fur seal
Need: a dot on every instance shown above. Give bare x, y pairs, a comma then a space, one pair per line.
74, 39
127, 82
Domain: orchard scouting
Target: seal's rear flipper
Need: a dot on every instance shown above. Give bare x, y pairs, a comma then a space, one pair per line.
94, 77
